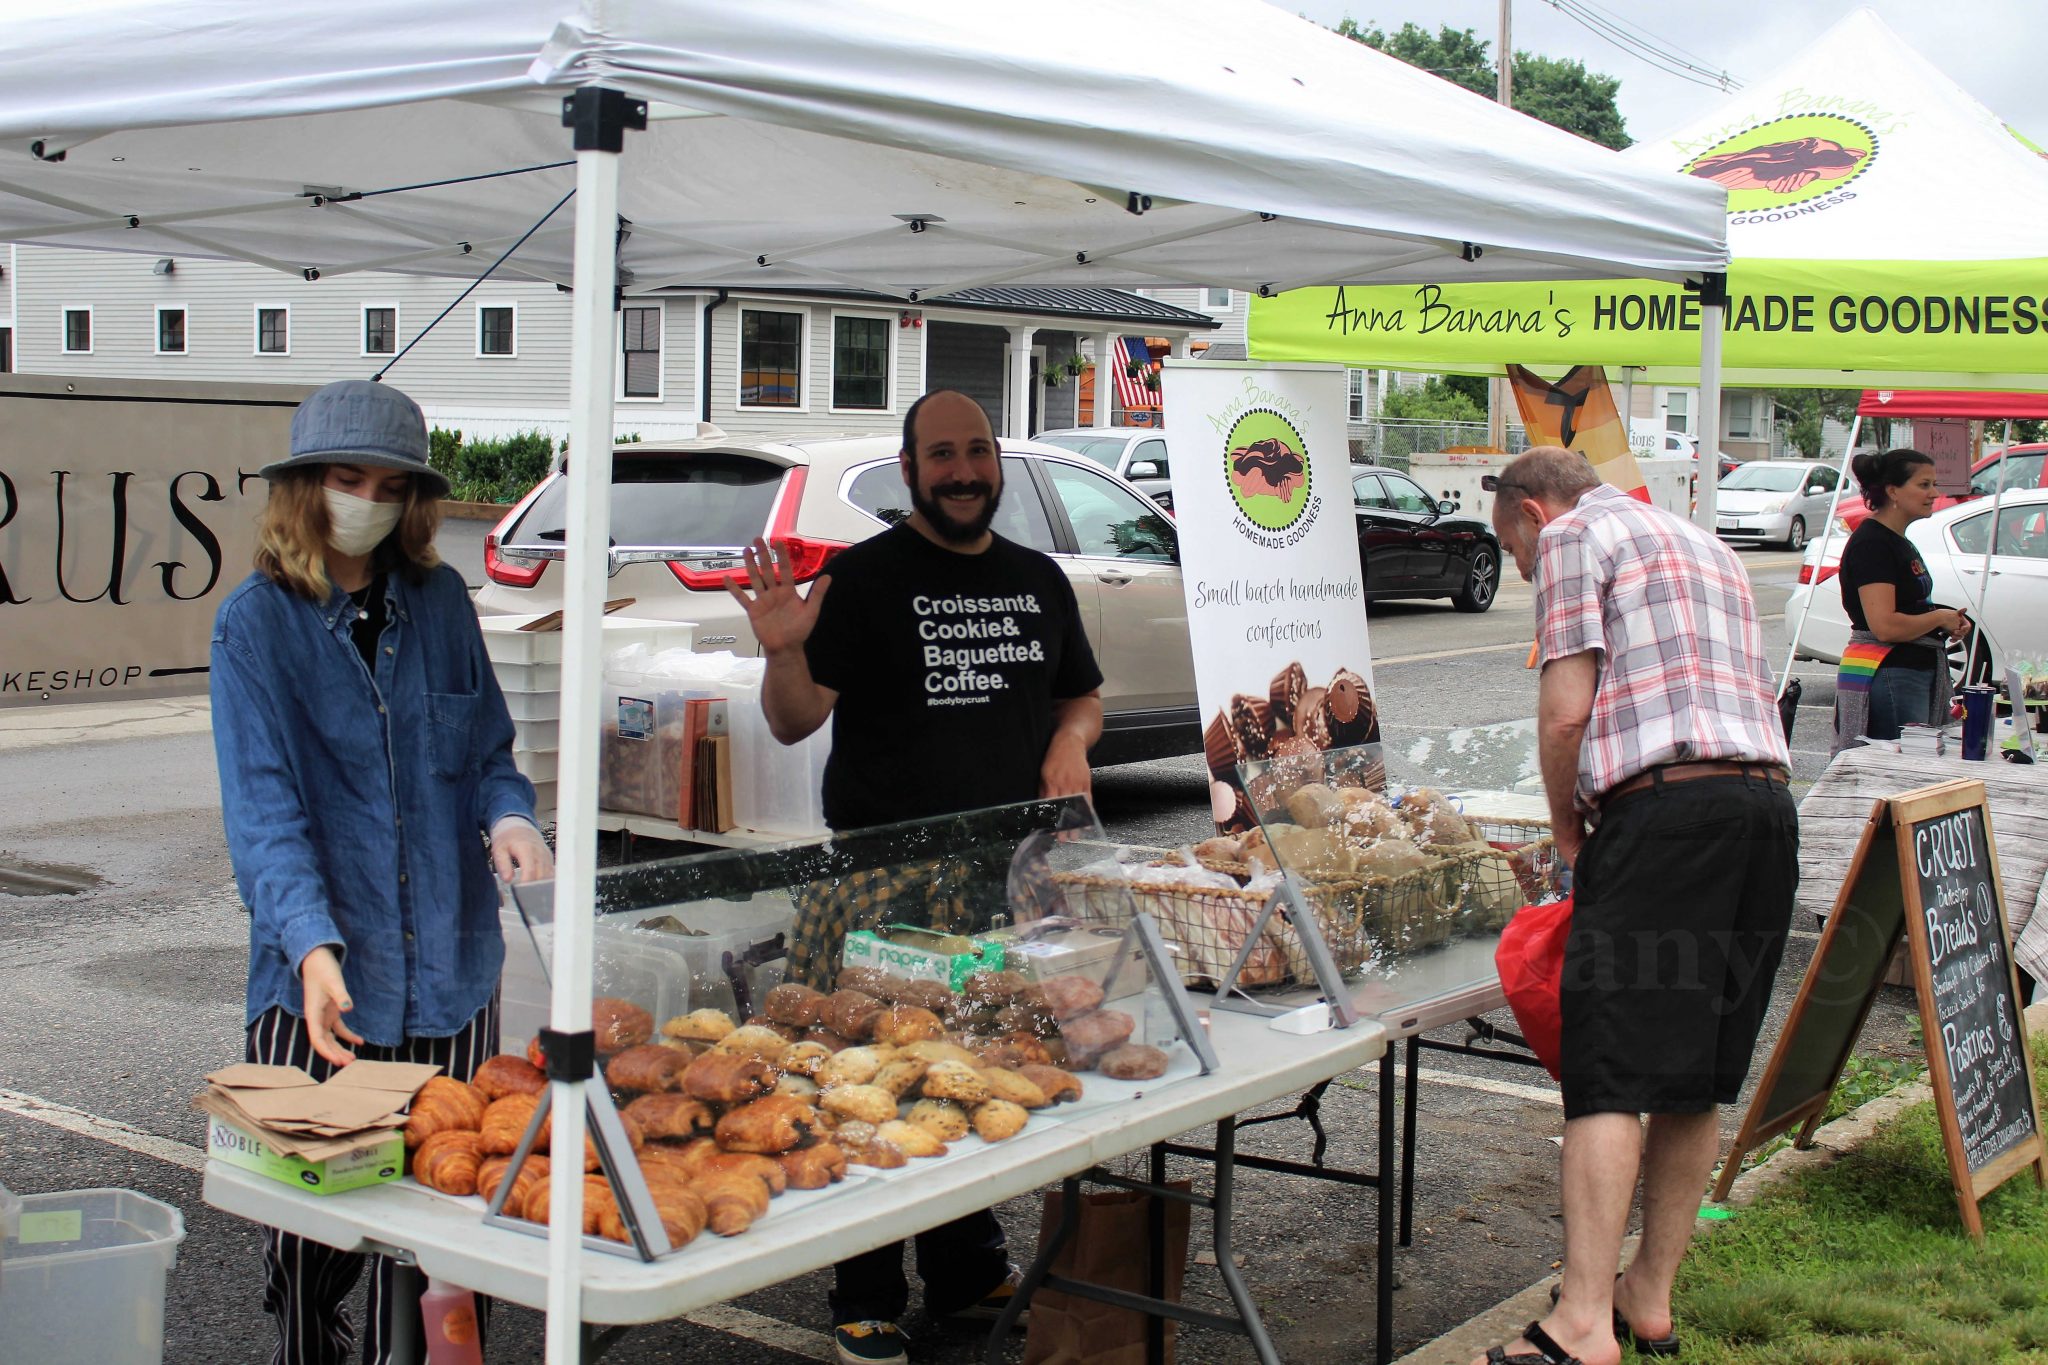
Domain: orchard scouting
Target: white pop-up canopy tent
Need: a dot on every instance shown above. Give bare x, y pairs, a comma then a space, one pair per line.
906, 146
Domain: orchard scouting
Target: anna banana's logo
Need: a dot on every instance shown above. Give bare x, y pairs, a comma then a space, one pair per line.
1787, 160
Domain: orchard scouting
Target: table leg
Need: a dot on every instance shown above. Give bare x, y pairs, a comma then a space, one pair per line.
1408, 1145
408, 1343
1034, 1275
1226, 1265
1383, 1350
1155, 1228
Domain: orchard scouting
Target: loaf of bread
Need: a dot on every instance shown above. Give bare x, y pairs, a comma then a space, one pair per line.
443, 1105
727, 1078
506, 1074
448, 1161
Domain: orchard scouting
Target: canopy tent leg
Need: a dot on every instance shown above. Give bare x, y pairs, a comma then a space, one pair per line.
600, 118
1713, 312
1827, 531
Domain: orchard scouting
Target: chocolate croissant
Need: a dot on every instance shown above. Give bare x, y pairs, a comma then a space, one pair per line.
646, 1067
733, 1201
619, 1024
504, 1123
795, 1005
774, 1123
813, 1168
727, 1078
506, 1074
671, 1116
448, 1161
851, 1014
444, 1104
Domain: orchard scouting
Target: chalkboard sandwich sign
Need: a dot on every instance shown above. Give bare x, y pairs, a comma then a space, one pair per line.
1926, 867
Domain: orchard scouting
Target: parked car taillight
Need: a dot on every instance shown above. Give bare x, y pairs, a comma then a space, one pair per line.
808, 556
1827, 571
518, 572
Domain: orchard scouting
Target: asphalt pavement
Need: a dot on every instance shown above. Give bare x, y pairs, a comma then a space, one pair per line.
117, 998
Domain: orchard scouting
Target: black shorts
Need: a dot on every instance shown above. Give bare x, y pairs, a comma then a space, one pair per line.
1683, 895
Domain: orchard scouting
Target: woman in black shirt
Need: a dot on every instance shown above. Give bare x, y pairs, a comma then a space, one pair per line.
1894, 671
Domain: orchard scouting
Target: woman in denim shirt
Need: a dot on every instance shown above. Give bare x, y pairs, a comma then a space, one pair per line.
365, 755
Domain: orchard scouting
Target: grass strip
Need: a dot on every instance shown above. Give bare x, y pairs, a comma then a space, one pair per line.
1864, 1261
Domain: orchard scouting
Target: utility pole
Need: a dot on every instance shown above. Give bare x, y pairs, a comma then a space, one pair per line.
1498, 395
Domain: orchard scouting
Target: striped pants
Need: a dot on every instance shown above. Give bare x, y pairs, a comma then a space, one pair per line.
306, 1285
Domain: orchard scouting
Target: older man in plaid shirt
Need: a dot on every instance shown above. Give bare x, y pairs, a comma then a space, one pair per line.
1666, 771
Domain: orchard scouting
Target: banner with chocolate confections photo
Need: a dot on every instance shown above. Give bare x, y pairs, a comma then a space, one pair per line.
1270, 564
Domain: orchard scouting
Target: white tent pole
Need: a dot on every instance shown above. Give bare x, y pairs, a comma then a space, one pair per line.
1990, 547
1713, 306
1827, 530
584, 566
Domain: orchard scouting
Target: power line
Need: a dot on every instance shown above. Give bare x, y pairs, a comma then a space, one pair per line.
1643, 45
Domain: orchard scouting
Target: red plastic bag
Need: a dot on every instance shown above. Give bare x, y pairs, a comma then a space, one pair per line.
1530, 960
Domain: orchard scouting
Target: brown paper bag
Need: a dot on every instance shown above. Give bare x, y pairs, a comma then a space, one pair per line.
1110, 1246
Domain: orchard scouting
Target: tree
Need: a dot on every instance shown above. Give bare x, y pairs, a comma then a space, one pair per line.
1804, 411
1437, 400
1561, 93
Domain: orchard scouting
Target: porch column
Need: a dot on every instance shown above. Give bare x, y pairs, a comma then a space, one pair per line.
1105, 379
1180, 347
1017, 411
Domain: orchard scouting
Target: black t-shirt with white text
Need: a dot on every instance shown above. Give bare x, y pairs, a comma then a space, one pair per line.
947, 667
1878, 554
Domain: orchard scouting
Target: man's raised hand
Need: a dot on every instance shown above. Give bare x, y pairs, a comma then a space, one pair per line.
782, 618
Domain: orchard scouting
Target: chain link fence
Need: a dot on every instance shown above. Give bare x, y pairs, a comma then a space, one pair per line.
1391, 442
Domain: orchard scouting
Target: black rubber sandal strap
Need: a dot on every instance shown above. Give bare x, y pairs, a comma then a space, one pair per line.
1547, 1344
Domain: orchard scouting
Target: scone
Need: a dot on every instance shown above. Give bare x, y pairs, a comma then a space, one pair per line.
752, 1040
699, 1026
995, 1120
1014, 1087
945, 1120
1132, 1062
900, 1074
912, 1140
804, 1059
955, 1081
854, 1066
869, 1104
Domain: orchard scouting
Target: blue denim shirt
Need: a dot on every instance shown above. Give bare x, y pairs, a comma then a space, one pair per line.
356, 805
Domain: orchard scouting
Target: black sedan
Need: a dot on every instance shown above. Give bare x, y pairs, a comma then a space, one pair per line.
1415, 546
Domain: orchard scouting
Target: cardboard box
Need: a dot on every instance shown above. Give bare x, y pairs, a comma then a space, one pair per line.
353, 1164
915, 954
1046, 950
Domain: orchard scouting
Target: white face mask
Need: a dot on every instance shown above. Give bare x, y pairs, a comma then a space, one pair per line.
356, 525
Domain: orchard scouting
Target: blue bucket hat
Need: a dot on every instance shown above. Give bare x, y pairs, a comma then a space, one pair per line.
354, 421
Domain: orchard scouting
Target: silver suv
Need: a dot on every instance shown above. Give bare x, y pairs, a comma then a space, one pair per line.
1135, 454
682, 510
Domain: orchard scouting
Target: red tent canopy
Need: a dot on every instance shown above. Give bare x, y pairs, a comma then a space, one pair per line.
1950, 403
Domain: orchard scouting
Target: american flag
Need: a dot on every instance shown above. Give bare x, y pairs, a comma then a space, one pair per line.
1130, 388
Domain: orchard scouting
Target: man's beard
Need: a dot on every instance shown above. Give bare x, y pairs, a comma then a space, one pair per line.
943, 522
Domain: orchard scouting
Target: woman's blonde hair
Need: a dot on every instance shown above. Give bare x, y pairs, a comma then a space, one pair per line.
291, 536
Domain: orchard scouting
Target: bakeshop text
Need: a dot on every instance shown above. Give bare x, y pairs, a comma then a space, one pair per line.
972, 644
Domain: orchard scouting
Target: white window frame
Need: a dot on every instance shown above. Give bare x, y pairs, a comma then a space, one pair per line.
661, 354
256, 312
363, 329
1356, 392
803, 360
64, 328
1690, 399
156, 341
1229, 304
1744, 402
477, 330
890, 322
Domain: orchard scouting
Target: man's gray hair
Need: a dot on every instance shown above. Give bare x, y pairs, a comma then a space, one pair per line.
1549, 474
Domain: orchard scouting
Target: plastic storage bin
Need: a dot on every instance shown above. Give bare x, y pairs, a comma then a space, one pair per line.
627, 966
82, 1278
721, 927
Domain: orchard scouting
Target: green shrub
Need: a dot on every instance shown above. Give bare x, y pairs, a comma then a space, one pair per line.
490, 471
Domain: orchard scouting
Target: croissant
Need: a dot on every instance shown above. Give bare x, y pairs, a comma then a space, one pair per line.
508, 1075
597, 1197
813, 1168
733, 1201
775, 1123
727, 1078
765, 1169
491, 1174
1057, 1085
619, 1024
448, 1162
505, 1121
702, 1157
648, 1067
443, 1104
682, 1215
671, 1116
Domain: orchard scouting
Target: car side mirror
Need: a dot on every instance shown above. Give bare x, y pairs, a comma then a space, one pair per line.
1444, 507
1143, 469
1815, 488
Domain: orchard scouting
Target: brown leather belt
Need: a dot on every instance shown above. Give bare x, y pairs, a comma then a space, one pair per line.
1686, 772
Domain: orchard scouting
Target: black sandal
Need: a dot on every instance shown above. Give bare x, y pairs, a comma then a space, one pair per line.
1666, 1345
1549, 1352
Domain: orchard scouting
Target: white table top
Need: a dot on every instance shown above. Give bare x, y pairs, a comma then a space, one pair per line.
805, 1231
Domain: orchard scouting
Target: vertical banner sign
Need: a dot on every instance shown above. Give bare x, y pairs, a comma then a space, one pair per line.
127, 513
1261, 474
1578, 413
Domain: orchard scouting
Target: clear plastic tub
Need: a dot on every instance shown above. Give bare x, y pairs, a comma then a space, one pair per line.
628, 967
82, 1278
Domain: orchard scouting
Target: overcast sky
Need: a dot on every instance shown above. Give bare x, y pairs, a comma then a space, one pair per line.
1993, 48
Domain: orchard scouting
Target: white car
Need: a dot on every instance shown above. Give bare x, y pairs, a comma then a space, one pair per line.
2013, 623
1779, 501
1137, 455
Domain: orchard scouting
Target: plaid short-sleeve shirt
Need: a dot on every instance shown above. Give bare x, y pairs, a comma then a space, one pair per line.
1667, 609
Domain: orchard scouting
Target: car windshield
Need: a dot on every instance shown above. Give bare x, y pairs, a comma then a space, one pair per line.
1768, 478
1104, 450
710, 499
